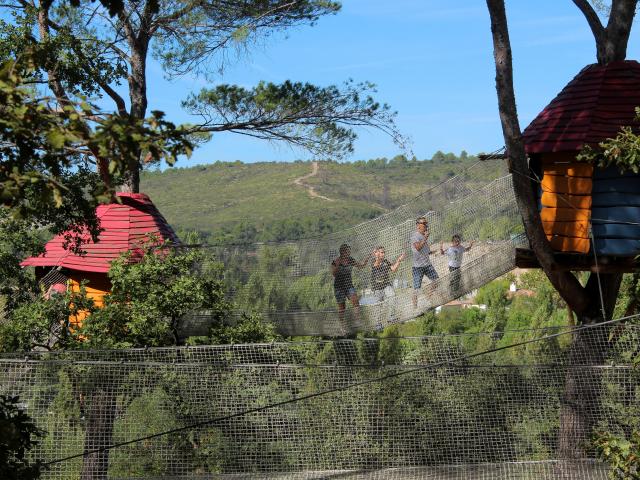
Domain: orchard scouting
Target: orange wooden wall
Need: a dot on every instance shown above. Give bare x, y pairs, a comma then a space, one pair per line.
97, 287
566, 203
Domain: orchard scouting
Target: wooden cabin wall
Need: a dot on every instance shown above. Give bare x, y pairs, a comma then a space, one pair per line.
616, 212
97, 286
566, 201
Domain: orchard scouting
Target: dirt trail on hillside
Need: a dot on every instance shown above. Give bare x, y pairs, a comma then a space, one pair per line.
300, 181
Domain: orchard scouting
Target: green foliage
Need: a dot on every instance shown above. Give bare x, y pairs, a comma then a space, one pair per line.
431, 404
152, 289
80, 54
620, 453
494, 296
249, 329
35, 165
28, 319
43, 323
134, 460
18, 436
622, 151
194, 37
258, 202
43, 152
452, 322
264, 290
510, 318
18, 239
628, 302
82, 73
121, 139
150, 295
548, 307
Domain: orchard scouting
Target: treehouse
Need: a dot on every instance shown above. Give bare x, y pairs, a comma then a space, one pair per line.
591, 215
125, 227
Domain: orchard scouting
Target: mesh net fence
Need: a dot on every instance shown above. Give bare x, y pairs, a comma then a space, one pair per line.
292, 284
474, 406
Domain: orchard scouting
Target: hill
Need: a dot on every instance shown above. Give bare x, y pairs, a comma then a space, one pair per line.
238, 202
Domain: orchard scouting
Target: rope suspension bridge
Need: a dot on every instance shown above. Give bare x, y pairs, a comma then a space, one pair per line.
291, 284
470, 406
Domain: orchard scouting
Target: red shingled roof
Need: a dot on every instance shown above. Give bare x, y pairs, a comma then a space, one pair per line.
591, 108
124, 227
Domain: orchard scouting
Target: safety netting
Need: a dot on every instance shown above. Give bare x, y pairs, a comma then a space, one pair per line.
292, 284
500, 405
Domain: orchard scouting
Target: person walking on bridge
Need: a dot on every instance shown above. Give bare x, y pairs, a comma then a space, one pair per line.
421, 262
343, 287
454, 255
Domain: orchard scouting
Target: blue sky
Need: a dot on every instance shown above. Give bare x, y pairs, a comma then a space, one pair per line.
431, 60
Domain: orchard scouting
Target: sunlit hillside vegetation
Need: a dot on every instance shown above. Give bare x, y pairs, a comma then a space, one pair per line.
237, 202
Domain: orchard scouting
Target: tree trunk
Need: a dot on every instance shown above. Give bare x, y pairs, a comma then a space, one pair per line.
565, 283
101, 404
580, 401
612, 47
139, 44
612, 41
581, 398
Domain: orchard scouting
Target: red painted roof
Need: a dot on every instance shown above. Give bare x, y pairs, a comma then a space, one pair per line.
124, 227
591, 108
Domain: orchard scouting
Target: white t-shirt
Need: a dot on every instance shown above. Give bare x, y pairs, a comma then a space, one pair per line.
454, 254
420, 257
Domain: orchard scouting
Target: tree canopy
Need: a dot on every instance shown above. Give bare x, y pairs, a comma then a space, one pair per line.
45, 173
88, 49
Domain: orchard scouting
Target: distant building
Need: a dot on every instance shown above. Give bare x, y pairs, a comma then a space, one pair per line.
460, 305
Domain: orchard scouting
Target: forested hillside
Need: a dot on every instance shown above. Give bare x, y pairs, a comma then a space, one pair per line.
237, 202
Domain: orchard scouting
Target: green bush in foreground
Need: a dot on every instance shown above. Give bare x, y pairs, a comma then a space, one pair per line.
18, 435
620, 453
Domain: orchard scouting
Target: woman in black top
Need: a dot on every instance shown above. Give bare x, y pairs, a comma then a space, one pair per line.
343, 287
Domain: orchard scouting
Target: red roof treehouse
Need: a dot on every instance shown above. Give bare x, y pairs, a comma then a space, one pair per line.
586, 209
125, 227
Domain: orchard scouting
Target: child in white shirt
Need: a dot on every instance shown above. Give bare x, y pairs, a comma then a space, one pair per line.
454, 255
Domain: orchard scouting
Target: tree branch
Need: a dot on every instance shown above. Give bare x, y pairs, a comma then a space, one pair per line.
176, 15
54, 83
128, 28
592, 18
115, 96
611, 42
565, 283
59, 91
118, 100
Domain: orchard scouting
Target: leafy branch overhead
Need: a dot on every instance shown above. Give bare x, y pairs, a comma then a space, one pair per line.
622, 151
46, 148
318, 119
88, 48
198, 36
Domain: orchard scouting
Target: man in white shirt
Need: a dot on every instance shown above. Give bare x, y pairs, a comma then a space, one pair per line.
421, 262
